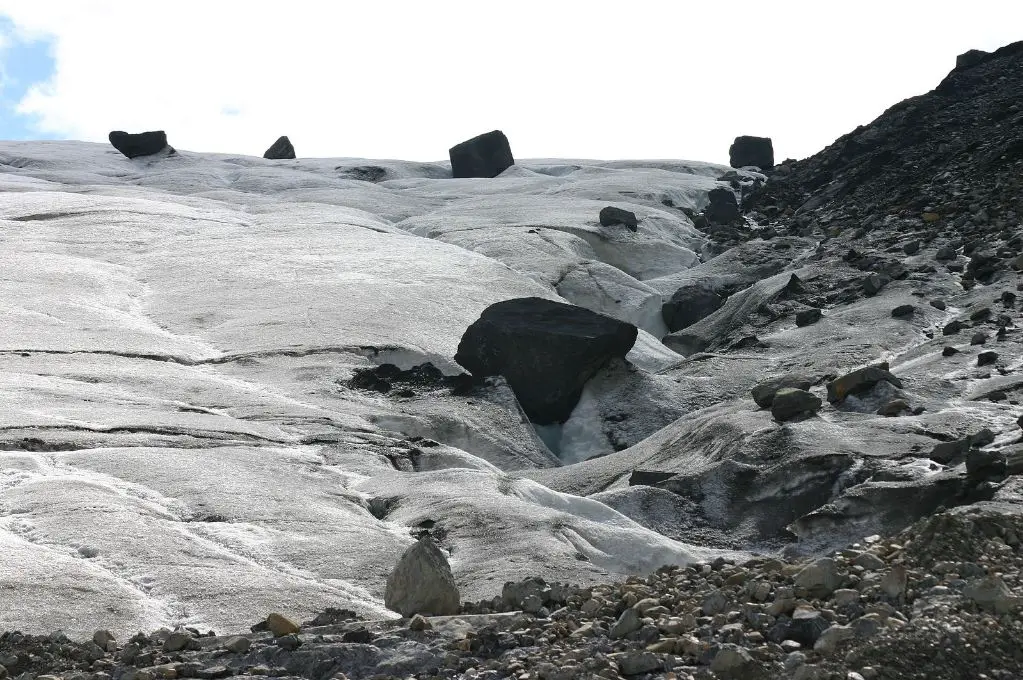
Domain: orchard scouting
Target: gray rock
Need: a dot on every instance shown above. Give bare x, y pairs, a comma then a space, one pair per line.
422, 582
732, 661
238, 644
820, 579
903, 311
790, 403
807, 317
829, 640
763, 393
991, 594
629, 622
177, 641
860, 380
806, 626
637, 662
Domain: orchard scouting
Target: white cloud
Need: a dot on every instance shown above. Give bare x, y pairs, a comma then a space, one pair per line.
410, 78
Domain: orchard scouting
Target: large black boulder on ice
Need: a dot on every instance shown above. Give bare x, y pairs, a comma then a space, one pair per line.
756, 151
141, 144
487, 155
545, 350
281, 150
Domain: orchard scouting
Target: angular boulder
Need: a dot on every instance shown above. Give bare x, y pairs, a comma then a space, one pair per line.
763, 392
751, 151
141, 144
545, 350
422, 583
791, 403
487, 155
280, 150
723, 207
688, 305
611, 216
859, 381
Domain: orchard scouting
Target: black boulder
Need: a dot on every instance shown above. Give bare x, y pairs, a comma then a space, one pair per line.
723, 208
545, 350
756, 151
487, 155
688, 305
141, 144
280, 150
611, 216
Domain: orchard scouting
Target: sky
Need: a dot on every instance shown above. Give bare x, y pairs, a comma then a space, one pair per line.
409, 79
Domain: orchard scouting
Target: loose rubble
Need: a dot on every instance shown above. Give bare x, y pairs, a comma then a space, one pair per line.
941, 600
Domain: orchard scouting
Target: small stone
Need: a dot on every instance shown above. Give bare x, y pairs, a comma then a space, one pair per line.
238, 644
829, 640
945, 254
991, 594
806, 317
280, 625
790, 403
732, 661
637, 662
629, 622
869, 561
893, 408
419, 623
103, 638
873, 284
903, 311
949, 351
911, 247
985, 358
978, 338
846, 596
806, 625
289, 642
952, 327
894, 582
938, 304
177, 641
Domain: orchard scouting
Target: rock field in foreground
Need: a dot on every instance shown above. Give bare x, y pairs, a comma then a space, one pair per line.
939, 601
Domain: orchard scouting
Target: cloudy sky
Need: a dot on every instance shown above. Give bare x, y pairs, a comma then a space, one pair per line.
407, 79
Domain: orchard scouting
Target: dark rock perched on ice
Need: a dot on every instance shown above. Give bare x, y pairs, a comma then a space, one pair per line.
140, 144
487, 155
751, 151
282, 149
545, 350
611, 216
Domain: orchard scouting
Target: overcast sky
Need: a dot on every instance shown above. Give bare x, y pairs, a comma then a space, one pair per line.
376, 79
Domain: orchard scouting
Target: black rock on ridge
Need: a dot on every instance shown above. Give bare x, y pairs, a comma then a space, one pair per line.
487, 155
140, 144
282, 149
